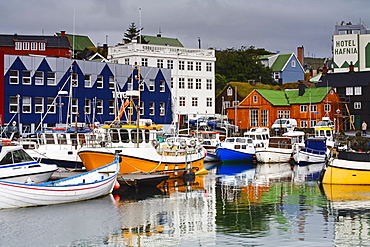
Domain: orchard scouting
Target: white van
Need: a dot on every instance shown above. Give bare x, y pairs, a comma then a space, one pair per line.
284, 125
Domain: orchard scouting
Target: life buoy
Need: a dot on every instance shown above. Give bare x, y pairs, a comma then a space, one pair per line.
193, 143
183, 144
200, 139
155, 143
170, 143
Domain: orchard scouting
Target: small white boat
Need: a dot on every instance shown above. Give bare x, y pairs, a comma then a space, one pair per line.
260, 136
17, 166
326, 129
81, 187
315, 151
279, 150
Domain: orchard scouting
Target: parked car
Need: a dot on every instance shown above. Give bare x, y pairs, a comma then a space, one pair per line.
227, 125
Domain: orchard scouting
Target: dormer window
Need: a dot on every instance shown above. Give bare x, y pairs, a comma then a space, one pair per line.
229, 91
293, 63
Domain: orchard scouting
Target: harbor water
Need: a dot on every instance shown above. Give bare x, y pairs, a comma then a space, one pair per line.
234, 205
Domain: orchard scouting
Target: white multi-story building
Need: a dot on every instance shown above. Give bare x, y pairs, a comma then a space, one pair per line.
192, 72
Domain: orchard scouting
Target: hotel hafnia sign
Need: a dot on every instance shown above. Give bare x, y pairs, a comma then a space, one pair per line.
351, 48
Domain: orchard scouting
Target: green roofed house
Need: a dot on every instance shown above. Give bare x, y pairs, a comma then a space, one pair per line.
285, 67
307, 105
159, 40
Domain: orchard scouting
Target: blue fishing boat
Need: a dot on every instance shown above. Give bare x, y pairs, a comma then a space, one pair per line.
314, 151
236, 148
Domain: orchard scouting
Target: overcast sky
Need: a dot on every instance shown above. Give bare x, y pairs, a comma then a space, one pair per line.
275, 25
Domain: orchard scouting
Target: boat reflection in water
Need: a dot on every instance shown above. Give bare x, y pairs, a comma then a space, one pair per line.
235, 173
67, 224
185, 214
350, 205
309, 172
273, 172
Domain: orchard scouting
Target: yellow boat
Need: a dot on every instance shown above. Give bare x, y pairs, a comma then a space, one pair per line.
348, 168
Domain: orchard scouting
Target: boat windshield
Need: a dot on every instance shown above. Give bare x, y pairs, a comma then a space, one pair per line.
17, 156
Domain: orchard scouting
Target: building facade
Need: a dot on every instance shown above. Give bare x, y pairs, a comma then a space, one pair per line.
51, 91
192, 72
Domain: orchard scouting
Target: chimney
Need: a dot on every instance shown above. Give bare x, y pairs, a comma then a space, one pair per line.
301, 88
351, 68
63, 33
300, 54
159, 35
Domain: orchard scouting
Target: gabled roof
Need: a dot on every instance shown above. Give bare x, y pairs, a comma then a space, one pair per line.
276, 98
345, 79
311, 95
291, 96
79, 42
51, 41
159, 40
281, 61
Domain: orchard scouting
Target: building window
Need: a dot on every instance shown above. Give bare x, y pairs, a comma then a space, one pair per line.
169, 64
18, 46
181, 65
74, 80
181, 101
198, 66
283, 114
159, 63
13, 77
87, 79
313, 123
190, 83
181, 83
349, 90
111, 107
198, 83
111, 82
99, 81
313, 108
209, 102
235, 102
209, 84
357, 105
42, 46
141, 106
162, 109
229, 91
151, 85
253, 118
144, 62
358, 91
26, 45
26, 108
51, 80
226, 104
87, 107
151, 108
326, 108
303, 124
276, 75
127, 61
171, 82
39, 104
33, 46
293, 63
26, 77
51, 105
99, 106
190, 65
194, 101
74, 105
39, 78
162, 86
265, 118
255, 99
13, 104
208, 67
303, 108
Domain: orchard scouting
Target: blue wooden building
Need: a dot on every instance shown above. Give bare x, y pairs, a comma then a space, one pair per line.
52, 91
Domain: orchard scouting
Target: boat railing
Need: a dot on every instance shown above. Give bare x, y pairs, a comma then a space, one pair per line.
314, 151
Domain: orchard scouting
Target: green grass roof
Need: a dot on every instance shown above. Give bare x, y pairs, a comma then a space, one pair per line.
275, 97
311, 95
79, 42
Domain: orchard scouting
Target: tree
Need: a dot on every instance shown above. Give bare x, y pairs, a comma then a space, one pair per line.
132, 32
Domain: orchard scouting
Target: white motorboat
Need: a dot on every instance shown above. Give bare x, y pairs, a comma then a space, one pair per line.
260, 136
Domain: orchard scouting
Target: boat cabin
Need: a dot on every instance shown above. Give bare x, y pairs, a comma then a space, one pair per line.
280, 142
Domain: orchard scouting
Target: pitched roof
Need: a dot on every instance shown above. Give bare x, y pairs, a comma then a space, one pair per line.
159, 40
311, 95
79, 42
51, 41
276, 98
345, 79
291, 96
281, 61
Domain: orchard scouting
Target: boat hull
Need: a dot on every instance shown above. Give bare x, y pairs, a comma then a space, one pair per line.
77, 188
145, 160
306, 158
340, 171
67, 158
273, 155
225, 154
